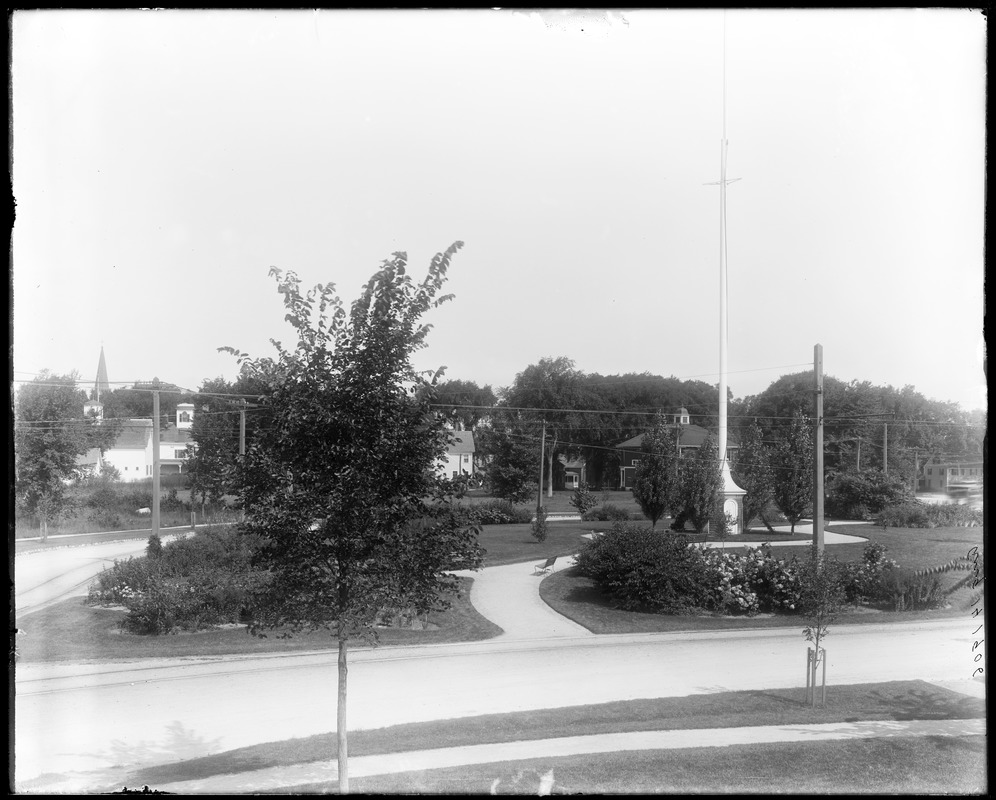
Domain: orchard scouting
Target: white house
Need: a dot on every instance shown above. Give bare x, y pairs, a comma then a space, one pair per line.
459, 457
131, 454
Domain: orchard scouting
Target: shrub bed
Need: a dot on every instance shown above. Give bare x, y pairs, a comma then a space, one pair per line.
499, 512
639, 569
188, 584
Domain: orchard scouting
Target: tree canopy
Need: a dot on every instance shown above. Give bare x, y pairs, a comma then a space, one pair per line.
50, 432
655, 485
341, 485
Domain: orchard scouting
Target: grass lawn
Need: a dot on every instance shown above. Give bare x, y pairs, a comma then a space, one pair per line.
72, 631
577, 597
917, 765
902, 700
560, 503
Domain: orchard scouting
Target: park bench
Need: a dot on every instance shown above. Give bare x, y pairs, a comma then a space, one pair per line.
546, 566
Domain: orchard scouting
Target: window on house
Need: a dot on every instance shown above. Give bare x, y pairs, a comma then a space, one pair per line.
180, 453
184, 416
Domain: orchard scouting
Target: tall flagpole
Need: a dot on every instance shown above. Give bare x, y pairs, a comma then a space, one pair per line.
732, 494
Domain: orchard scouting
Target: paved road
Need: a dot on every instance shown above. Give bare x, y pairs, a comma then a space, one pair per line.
106, 719
44, 577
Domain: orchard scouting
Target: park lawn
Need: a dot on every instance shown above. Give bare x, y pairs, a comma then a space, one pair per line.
891, 766
578, 598
900, 700
75, 632
560, 503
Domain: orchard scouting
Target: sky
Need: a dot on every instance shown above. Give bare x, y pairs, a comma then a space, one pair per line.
163, 161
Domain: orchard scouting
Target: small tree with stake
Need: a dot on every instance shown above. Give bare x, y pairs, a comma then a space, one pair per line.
823, 595
341, 485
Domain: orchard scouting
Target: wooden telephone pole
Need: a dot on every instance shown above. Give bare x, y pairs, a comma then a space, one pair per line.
818, 454
155, 463
539, 495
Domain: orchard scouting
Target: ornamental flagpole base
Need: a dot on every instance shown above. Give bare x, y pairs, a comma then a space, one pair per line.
733, 501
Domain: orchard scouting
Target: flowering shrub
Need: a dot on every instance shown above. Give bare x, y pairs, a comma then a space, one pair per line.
752, 581
193, 582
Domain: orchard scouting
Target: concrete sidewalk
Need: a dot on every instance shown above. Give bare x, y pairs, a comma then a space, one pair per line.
284, 778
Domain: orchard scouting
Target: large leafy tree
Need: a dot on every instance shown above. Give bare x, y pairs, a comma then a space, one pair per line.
465, 402
49, 433
700, 484
553, 392
511, 458
752, 472
216, 432
341, 485
136, 402
792, 466
655, 485
856, 415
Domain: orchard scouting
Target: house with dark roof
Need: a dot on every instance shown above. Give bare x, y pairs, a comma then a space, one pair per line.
690, 439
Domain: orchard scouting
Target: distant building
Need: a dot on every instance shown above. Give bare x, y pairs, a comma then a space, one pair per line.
132, 452
459, 458
950, 477
690, 438
575, 472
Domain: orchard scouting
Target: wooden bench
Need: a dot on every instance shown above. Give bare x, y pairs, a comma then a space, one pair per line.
546, 566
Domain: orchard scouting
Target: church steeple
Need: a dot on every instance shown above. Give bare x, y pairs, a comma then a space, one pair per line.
101, 384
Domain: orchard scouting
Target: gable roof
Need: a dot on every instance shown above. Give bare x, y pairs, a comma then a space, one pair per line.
463, 442
91, 458
135, 434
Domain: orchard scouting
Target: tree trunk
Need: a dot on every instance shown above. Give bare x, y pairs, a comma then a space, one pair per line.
766, 523
43, 527
343, 755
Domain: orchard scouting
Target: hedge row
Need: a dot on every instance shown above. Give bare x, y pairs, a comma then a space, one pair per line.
915, 514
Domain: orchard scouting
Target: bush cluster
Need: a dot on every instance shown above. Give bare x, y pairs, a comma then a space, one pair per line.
915, 514
643, 570
190, 583
499, 512
862, 495
607, 512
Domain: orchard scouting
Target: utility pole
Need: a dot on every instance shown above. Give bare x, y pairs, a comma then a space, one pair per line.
885, 449
155, 464
242, 429
539, 495
818, 454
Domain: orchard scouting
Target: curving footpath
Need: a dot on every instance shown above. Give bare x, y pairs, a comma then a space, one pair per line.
509, 597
